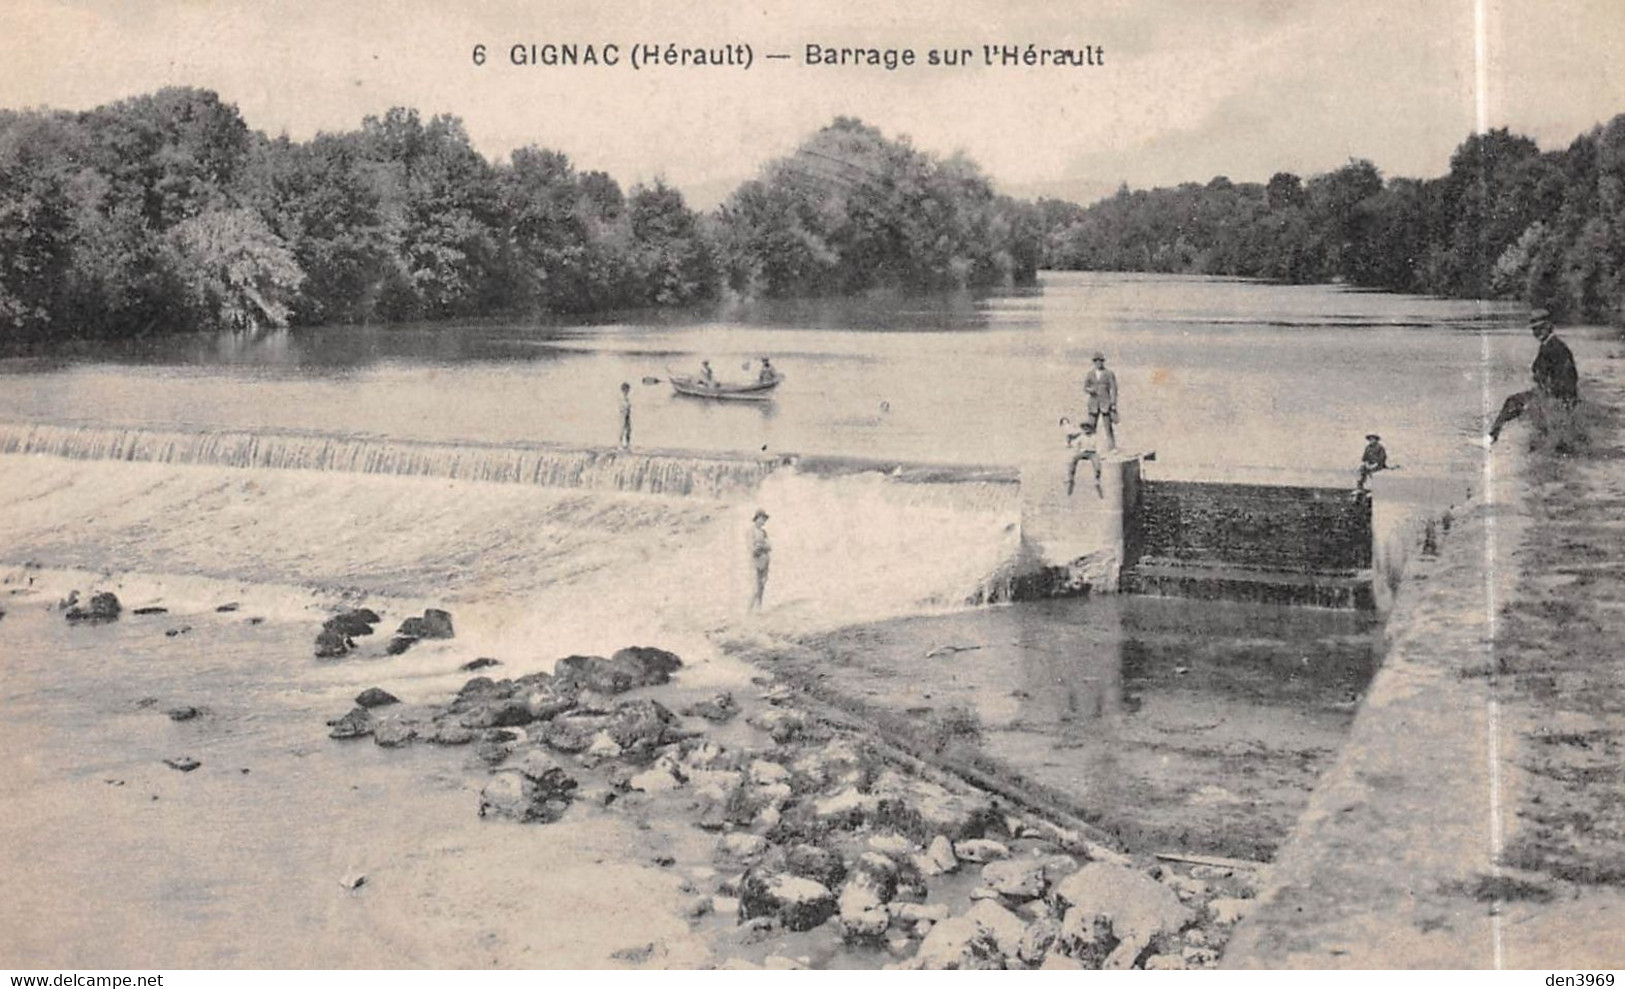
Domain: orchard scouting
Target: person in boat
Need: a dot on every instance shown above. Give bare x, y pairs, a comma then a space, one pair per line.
1374, 459
1081, 439
767, 375
626, 415
761, 554
708, 377
1100, 384
1554, 372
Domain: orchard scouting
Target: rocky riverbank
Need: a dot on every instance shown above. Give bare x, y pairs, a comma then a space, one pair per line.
824, 852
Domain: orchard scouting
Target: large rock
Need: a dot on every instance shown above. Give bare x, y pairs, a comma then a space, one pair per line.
539, 791
359, 722
876, 873
352, 623
981, 938
435, 624
864, 915
1141, 911
1027, 877
654, 666
376, 697
640, 727
922, 809
636, 666
799, 904
818, 864
331, 644
103, 607
393, 734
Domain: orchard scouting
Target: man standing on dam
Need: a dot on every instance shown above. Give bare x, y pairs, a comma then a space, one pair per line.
1100, 384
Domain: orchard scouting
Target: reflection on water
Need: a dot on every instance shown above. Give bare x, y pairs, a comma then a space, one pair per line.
1200, 725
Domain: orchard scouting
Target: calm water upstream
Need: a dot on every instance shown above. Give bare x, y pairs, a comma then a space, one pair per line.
1223, 378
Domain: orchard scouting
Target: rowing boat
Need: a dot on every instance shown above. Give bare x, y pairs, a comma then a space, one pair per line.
753, 391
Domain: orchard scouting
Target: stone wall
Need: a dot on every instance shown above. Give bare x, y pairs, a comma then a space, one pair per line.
1258, 527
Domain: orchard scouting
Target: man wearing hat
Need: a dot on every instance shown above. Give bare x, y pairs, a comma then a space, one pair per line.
1554, 373
1100, 384
761, 552
1374, 459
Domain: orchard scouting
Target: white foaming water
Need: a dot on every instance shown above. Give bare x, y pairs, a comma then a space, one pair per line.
532, 571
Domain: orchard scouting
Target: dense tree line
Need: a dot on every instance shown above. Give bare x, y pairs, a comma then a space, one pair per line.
1507, 221
165, 213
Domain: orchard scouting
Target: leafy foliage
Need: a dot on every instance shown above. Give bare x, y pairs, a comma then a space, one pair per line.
1507, 221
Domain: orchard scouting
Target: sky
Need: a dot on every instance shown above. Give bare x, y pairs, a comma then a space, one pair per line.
1189, 89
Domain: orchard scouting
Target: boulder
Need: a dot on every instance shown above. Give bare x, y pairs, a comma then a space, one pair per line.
331, 644
184, 763
641, 726
1027, 877
637, 666
981, 938
719, 708
922, 809
655, 666
375, 697
399, 644
351, 623
1037, 939
355, 724
532, 793
798, 904
183, 713
103, 607
479, 664
864, 916
818, 864
393, 734
444, 732
572, 734
876, 873
435, 624
1142, 912
504, 712
980, 850
549, 700
149, 610
939, 857
742, 847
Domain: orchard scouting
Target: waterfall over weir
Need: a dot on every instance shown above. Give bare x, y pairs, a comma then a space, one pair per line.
708, 475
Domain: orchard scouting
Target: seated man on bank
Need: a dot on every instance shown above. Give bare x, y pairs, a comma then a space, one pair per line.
1554, 372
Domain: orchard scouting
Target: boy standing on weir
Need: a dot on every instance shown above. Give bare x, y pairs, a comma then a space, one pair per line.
761, 554
1100, 384
626, 415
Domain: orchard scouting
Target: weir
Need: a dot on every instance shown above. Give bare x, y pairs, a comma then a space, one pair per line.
1245, 542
